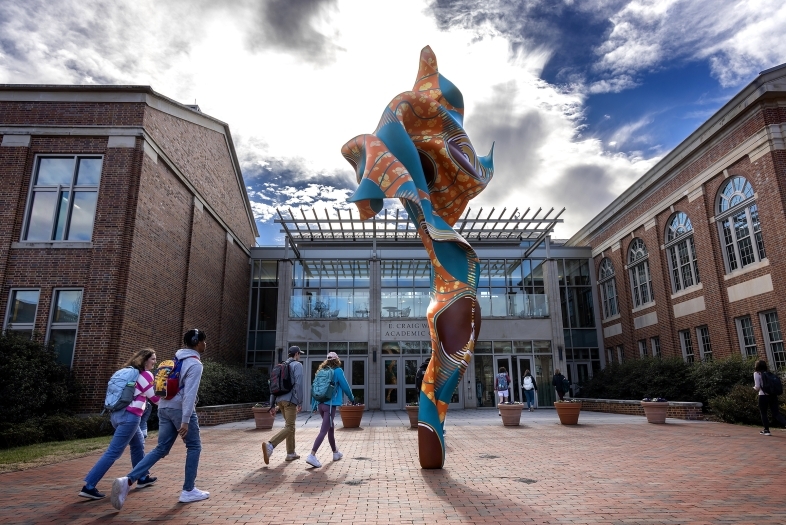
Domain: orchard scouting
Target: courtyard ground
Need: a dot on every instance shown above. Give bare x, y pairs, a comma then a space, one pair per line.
610, 468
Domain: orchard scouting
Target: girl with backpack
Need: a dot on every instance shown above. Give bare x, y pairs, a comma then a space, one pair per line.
530, 387
766, 400
327, 409
501, 384
126, 424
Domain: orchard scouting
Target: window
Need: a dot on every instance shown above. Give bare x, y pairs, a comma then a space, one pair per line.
642, 347
687, 346
681, 252
738, 225
63, 199
512, 288
21, 311
609, 355
620, 354
639, 267
655, 346
608, 288
63, 324
747, 339
331, 288
705, 347
262, 314
773, 339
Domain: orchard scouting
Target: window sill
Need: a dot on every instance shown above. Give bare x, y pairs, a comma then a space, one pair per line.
689, 289
52, 244
643, 307
749, 268
611, 318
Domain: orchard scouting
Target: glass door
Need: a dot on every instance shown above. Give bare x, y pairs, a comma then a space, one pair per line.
578, 373
411, 365
356, 377
391, 383
522, 364
310, 367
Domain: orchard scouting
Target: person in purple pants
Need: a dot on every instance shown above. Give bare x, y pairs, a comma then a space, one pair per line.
327, 409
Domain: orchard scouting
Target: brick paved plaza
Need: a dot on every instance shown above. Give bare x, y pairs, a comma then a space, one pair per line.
608, 469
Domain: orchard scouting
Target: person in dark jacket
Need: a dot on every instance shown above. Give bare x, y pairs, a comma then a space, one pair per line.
530, 387
559, 382
419, 376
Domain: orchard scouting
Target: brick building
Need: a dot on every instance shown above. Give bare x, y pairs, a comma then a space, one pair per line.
691, 260
124, 221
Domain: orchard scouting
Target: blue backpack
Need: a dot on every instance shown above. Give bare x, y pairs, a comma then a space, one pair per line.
120, 389
323, 387
502, 381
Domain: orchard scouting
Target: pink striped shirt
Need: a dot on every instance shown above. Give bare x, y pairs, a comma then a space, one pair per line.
144, 390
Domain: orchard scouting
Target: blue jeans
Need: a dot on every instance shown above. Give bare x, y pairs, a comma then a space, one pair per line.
530, 395
126, 433
169, 420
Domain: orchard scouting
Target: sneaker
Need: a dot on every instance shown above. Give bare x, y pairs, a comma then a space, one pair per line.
190, 496
337, 455
765, 433
292, 457
267, 450
145, 482
312, 460
91, 493
120, 488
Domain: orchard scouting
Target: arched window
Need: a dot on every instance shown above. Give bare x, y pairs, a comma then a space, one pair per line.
681, 252
608, 288
639, 268
738, 224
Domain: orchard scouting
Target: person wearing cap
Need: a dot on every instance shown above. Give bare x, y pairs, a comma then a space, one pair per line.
176, 417
289, 404
327, 409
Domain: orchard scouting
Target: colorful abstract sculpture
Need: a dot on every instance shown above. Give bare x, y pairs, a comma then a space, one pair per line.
421, 154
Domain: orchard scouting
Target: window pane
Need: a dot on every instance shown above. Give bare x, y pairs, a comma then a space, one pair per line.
52, 172
89, 172
43, 207
266, 272
63, 342
81, 228
67, 307
358, 349
23, 305
361, 274
62, 215
391, 348
339, 348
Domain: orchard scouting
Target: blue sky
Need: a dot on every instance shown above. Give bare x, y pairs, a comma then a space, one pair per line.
581, 97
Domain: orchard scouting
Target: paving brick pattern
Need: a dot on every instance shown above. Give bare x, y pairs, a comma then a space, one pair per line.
610, 468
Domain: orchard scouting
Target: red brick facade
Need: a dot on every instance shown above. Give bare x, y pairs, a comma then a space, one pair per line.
171, 233
745, 138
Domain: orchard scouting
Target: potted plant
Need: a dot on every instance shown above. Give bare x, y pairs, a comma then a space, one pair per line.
568, 411
655, 408
351, 414
262, 416
413, 411
511, 413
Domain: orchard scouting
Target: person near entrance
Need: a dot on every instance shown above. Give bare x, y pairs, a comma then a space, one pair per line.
559, 383
766, 400
289, 404
501, 384
327, 409
530, 387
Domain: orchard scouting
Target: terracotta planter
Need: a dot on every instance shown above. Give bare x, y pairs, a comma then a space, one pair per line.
511, 414
412, 412
568, 412
263, 418
351, 415
655, 411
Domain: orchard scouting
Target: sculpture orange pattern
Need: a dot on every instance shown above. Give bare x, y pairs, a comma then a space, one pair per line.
420, 154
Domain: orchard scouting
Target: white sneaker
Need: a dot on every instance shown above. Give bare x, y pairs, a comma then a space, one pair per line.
267, 450
120, 488
313, 461
337, 455
190, 496
292, 457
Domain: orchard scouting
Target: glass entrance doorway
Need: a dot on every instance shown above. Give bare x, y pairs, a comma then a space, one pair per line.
354, 371
398, 383
578, 374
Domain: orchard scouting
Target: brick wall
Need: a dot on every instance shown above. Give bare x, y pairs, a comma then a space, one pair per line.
220, 414
677, 410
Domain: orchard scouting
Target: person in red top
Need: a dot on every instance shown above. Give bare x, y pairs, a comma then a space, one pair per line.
126, 423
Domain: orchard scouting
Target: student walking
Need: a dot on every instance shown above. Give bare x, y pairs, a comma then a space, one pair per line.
327, 409
501, 384
289, 404
530, 388
766, 400
126, 424
559, 383
176, 417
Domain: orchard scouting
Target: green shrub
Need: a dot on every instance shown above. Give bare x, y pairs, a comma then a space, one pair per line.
640, 378
224, 384
713, 379
739, 405
34, 384
57, 427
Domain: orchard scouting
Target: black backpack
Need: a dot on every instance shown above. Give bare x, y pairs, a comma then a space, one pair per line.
771, 384
281, 379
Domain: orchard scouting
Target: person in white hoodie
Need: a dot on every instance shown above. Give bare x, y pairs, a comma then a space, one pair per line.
176, 417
